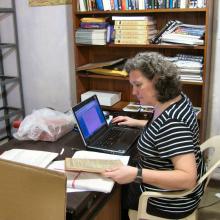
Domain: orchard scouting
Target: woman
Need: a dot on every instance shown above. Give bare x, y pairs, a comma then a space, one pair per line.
169, 153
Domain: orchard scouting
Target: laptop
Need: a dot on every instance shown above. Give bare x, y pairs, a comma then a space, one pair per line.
97, 135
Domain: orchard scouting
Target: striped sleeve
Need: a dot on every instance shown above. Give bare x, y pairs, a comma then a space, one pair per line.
174, 138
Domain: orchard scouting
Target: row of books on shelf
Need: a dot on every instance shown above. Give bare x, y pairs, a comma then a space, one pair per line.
190, 67
137, 30
109, 5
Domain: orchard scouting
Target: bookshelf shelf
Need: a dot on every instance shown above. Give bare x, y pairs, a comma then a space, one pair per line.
170, 46
84, 54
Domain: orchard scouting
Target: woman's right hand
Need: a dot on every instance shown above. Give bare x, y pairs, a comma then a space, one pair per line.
127, 121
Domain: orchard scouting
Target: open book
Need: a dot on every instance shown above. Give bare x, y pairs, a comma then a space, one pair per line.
30, 157
85, 181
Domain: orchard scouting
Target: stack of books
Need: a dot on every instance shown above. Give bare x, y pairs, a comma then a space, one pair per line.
185, 34
175, 32
190, 66
134, 29
92, 31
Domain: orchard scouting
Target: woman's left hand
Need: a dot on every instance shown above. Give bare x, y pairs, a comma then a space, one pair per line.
121, 175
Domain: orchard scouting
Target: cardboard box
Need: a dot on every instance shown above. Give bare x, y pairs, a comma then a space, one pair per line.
107, 98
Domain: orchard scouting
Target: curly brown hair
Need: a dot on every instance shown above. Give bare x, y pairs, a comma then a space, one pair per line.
155, 67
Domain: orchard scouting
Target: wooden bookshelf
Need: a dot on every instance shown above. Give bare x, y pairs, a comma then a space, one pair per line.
198, 92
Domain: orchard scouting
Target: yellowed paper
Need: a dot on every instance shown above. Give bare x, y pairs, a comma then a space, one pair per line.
99, 64
48, 2
90, 165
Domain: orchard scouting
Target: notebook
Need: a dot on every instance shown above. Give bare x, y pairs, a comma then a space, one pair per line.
97, 135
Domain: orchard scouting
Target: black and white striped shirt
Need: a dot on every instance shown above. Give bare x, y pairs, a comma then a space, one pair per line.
173, 133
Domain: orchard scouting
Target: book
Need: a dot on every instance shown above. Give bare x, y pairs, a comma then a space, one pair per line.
195, 80
135, 32
160, 4
187, 64
123, 5
141, 5
30, 157
92, 25
90, 165
172, 38
92, 19
119, 5
116, 5
188, 57
132, 18
112, 4
192, 72
99, 5
196, 31
106, 5
82, 5
131, 41
91, 36
133, 36
134, 27
184, 34
169, 25
110, 33
135, 22
91, 41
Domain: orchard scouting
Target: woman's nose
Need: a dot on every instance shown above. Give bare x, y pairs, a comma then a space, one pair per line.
134, 91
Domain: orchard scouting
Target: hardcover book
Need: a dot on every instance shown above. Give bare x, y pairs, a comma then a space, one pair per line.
135, 22
132, 41
134, 27
132, 18
135, 32
90, 165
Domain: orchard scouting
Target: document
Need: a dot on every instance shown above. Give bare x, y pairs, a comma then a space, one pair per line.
86, 181
30, 157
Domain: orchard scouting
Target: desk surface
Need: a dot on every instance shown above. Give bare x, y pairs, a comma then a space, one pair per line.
80, 205
77, 202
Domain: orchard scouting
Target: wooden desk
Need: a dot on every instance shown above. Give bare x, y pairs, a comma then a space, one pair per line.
80, 205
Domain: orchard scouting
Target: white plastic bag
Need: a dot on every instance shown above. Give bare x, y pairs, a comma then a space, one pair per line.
45, 125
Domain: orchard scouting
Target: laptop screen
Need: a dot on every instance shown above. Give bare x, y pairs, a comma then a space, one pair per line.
90, 117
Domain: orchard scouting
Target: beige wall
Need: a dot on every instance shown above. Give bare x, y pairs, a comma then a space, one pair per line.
45, 40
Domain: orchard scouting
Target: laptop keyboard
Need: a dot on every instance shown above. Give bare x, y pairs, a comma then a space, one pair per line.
109, 138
